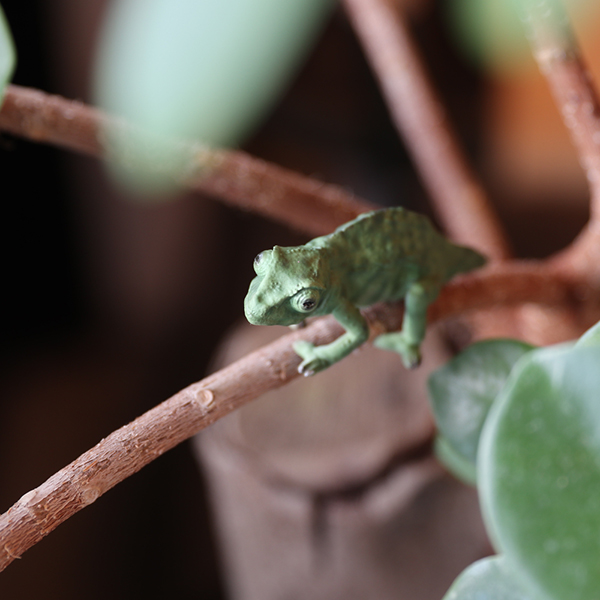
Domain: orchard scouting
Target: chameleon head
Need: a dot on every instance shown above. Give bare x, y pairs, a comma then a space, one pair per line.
287, 287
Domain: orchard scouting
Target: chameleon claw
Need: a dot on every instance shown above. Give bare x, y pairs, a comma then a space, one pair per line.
411, 362
312, 363
305, 372
309, 368
396, 342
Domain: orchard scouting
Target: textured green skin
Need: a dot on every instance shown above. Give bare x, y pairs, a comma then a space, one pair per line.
383, 255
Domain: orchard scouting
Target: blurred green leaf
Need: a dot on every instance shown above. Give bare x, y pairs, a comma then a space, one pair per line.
490, 579
461, 393
489, 33
7, 54
539, 471
492, 34
205, 70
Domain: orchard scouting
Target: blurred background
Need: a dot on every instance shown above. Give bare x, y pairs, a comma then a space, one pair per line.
112, 304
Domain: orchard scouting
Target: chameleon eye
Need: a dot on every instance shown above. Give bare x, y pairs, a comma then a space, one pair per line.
260, 262
307, 301
308, 304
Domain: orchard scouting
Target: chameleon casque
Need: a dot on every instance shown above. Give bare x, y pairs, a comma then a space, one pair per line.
383, 255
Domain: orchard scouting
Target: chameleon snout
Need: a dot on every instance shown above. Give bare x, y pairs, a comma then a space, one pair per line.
264, 317
257, 313
252, 319
255, 317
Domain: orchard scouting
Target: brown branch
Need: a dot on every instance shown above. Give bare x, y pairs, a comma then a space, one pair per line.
280, 194
459, 198
234, 177
559, 58
133, 446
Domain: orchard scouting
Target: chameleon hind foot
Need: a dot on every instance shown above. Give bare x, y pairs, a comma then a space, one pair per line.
396, 342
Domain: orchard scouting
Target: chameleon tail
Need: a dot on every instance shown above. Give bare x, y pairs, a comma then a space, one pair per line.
465, 259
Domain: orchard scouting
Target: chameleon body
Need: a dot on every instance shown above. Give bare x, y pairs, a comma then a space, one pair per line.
384, 255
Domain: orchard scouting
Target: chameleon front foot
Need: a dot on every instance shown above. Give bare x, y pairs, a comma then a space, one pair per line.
396, 342
312, 360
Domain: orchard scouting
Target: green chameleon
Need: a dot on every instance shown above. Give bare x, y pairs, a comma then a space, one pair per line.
383, 255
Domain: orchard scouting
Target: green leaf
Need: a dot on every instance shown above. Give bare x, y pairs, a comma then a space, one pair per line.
458, 465
462, 391
539, 471
7, 54
203, 70
490, 579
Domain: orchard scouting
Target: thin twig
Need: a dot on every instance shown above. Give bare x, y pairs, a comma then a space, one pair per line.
127, 450
458, 197
559, 58
234, 177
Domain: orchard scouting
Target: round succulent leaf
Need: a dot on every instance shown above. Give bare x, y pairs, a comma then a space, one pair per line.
462, 391
7, 54
491, 578
539, 471
203, 70
463, 469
